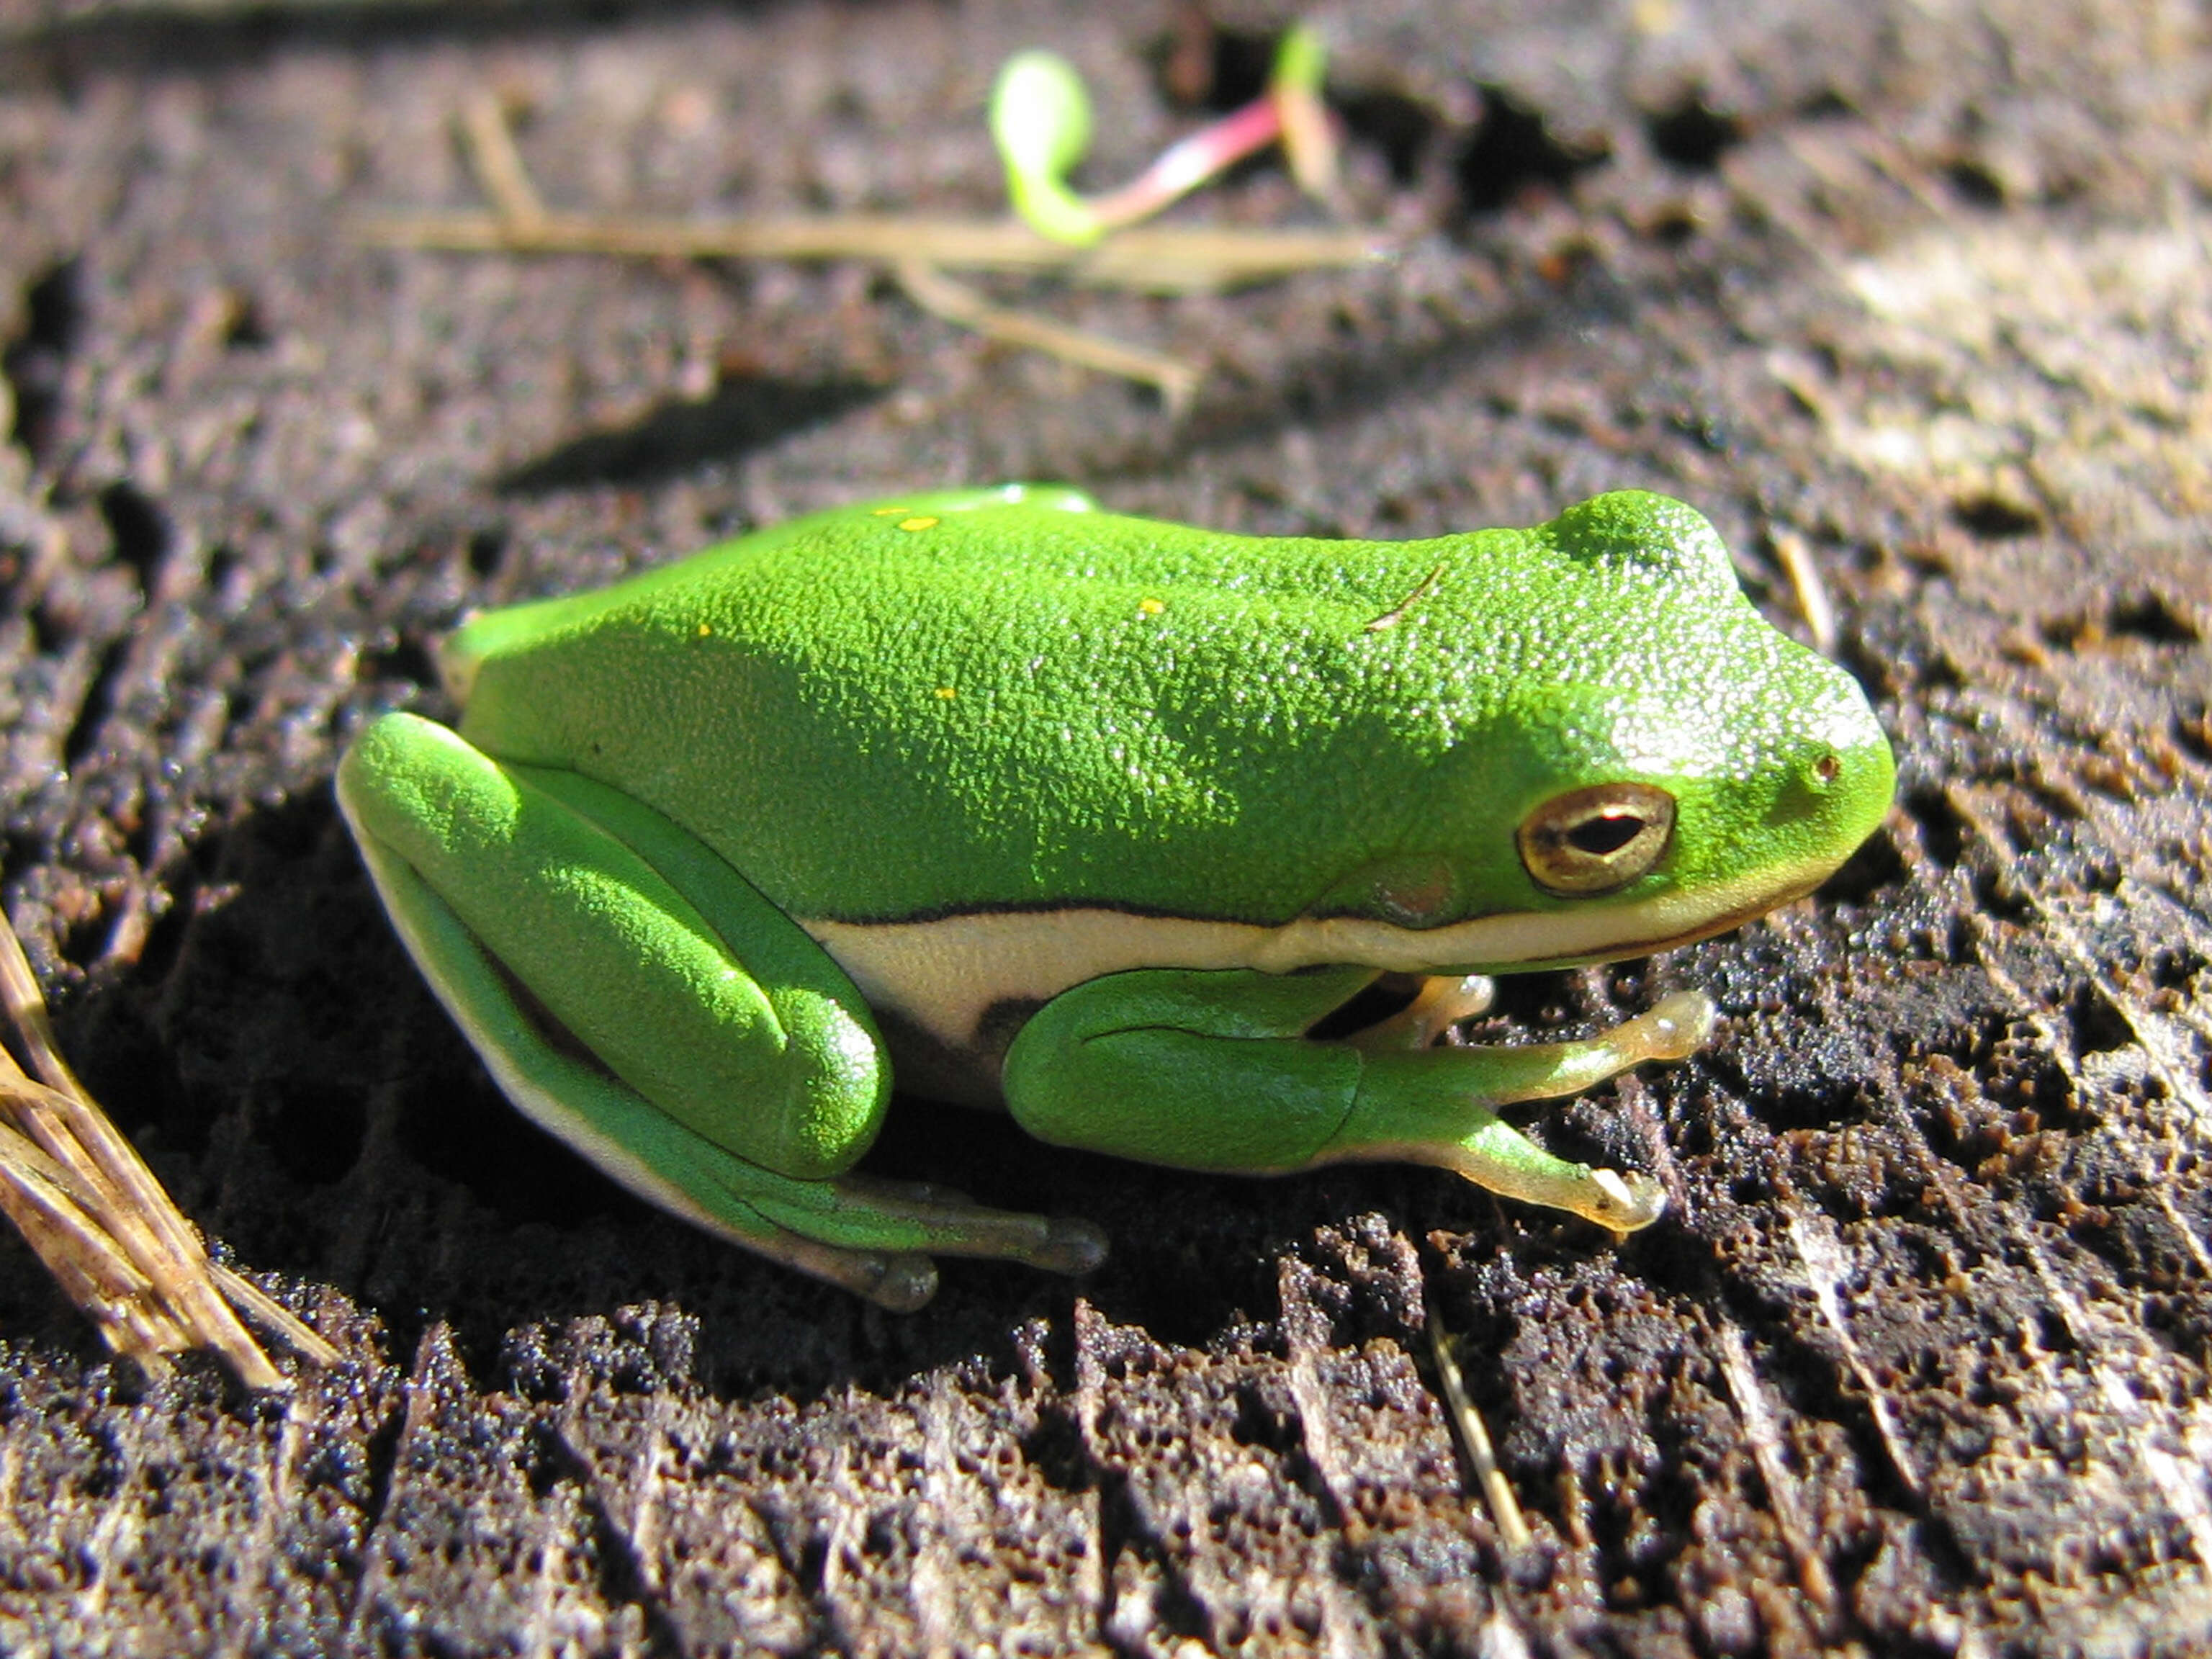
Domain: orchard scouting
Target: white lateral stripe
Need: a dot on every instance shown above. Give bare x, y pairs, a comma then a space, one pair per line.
944, 974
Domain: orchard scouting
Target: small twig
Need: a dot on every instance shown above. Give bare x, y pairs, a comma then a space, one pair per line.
249, 1298
1397, 612
1475, 1441
43, 1200
1175, 380
88, 1204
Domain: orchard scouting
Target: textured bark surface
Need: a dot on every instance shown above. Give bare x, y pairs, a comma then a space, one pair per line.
1918, 295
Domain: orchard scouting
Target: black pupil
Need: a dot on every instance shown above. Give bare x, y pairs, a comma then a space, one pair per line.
1606, 833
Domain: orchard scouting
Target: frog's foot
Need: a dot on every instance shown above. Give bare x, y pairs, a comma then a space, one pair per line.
873, 1238
1673, 1028
902, 1281
1404, 1105
1502, 1160
914, 1217
1440, 1004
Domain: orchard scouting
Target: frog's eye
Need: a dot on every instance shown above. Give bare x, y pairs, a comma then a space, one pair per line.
1592, 840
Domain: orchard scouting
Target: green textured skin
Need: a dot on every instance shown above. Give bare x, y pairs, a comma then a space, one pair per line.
618, 924
675, 808
1023, 706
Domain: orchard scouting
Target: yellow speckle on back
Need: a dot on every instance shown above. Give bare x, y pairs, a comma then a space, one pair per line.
919, 521
946, 693
1151, 607
885, 512
706, 630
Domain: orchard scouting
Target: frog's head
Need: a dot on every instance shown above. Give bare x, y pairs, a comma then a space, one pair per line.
1663, 764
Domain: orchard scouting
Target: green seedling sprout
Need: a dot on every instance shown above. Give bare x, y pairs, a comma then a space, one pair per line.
1308, 130
1041, 122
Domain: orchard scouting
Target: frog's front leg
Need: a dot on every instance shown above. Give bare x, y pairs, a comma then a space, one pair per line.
636, 996
1212, 1071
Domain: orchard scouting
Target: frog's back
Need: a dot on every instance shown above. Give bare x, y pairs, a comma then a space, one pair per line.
888, 713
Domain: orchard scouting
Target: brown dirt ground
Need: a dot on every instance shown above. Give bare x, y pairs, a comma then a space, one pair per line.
1917, 1364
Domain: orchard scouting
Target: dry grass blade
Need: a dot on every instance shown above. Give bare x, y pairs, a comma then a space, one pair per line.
1804, 572
1175, 381
498, 163
1147, 259
88, 1204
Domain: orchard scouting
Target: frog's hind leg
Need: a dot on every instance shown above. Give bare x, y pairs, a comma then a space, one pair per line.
635, 995
873, 1238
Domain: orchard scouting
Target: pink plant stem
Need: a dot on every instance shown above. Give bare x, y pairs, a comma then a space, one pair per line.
1189, 162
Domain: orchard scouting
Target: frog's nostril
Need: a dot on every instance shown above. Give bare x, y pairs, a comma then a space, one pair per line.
1828, 768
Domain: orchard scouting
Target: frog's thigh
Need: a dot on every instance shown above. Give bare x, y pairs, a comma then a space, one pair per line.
733, 1071
1213, 1071
645, 948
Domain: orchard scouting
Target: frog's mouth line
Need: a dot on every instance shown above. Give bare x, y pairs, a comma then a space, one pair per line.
1648, 947
945, 973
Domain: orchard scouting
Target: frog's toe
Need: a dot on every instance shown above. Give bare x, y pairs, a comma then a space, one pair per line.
951, 1224
908, 1194
867, 1213
902, 1283
900, 1280
1070, 1246
1623, 1200
1675, 1028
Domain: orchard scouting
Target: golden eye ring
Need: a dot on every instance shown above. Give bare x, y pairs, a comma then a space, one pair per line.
1594, 841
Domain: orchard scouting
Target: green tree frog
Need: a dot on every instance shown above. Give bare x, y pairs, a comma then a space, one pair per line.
1098, 818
